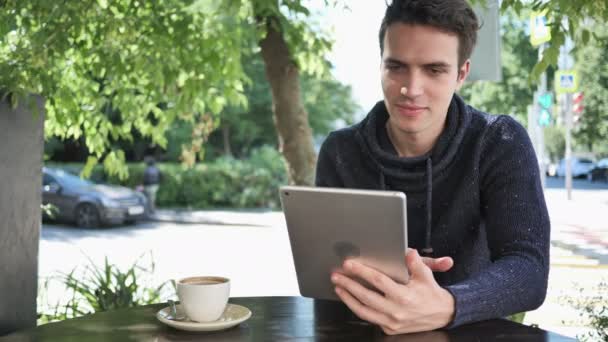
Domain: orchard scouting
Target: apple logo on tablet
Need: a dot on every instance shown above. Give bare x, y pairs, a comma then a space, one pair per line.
345, 249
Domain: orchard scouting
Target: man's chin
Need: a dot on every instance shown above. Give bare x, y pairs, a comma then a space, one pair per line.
405, 126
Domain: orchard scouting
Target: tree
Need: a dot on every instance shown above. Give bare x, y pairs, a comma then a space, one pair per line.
564, 19
555, 142
155, 62
151, 62
513, 93
241, 129
592, 129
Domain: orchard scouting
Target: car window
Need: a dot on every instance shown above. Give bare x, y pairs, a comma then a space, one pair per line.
69, 180
586, 161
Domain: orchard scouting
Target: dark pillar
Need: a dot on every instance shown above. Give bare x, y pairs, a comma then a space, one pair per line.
21, 150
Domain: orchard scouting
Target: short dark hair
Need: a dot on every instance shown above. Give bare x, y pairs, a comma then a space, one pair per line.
453, 16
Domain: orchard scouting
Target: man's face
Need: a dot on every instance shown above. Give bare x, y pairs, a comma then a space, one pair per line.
425, 61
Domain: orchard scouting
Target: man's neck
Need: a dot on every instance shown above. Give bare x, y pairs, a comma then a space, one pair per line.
410, 144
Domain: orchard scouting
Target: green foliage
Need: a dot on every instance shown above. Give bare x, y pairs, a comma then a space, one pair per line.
564, 19
109, 68
225, 182
49, 210
518, 317
102, 288
555, 142
325, 99
513, 94
595, 310
592, 130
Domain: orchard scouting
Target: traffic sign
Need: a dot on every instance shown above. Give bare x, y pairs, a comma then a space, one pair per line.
566, 81
539, 31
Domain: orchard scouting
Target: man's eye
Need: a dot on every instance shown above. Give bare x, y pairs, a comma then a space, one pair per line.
436, 71
393, 67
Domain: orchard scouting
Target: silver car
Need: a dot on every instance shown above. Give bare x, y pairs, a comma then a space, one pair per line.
580, 167
88, 204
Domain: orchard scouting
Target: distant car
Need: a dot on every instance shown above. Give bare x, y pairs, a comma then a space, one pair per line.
599, 171
580, 167
88, 204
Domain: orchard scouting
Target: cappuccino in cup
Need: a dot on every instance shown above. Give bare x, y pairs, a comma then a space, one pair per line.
203, 298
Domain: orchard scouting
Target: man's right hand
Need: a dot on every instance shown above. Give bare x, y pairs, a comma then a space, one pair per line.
442, 264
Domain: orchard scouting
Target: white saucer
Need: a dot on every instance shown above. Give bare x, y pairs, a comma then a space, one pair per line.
233, 315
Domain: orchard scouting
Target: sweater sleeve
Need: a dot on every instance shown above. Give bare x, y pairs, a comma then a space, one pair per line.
517, 226
327, 173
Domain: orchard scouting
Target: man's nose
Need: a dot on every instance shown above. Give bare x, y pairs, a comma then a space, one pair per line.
414, 83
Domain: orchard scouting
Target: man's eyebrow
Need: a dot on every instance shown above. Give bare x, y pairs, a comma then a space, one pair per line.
438, 64
390, 60
441, 65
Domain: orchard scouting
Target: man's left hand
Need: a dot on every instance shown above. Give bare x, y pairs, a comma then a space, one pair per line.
419, 305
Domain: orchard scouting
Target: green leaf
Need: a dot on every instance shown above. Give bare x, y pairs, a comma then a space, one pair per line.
103, 3
88, 167
585, 36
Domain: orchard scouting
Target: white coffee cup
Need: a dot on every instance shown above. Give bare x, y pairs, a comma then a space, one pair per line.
203, 299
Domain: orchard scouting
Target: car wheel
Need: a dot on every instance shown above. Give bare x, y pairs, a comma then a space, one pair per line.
87, 216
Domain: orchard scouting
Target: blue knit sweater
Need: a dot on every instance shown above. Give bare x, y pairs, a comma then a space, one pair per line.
476, 197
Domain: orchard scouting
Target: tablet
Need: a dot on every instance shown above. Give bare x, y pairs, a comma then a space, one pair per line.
328, 225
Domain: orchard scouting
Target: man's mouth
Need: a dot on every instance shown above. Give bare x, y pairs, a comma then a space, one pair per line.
409, 110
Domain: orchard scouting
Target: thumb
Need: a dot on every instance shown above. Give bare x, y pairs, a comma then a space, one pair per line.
416, 265
442, 264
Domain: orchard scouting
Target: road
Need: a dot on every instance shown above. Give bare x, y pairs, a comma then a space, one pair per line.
579, 225
256, 258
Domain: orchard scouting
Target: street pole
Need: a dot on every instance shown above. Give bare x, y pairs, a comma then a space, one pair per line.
565, 62
568, 157
540, 138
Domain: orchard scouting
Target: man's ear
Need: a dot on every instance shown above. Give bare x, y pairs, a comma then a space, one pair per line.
463, 73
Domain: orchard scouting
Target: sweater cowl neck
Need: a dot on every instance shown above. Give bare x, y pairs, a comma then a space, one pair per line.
413, 168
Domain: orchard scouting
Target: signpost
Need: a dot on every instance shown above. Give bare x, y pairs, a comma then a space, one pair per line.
539, 31
566, 81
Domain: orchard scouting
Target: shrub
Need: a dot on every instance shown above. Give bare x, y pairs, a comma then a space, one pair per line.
594, 309
102, 288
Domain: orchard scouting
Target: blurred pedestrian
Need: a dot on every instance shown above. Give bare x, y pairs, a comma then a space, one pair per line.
152, 178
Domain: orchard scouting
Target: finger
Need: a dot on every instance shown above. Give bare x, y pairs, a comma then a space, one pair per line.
362, 311
377, 279
443, 264
416, 266
364, 295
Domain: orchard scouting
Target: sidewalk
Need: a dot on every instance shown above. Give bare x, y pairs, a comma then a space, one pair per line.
580, 225
579, 259
236, 217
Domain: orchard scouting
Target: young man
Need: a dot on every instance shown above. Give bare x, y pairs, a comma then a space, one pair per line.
476, 208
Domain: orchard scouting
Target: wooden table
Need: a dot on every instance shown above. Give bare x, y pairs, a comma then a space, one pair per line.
273, 319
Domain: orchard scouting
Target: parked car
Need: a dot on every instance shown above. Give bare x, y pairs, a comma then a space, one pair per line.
599, 171
580, 167
89, 204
